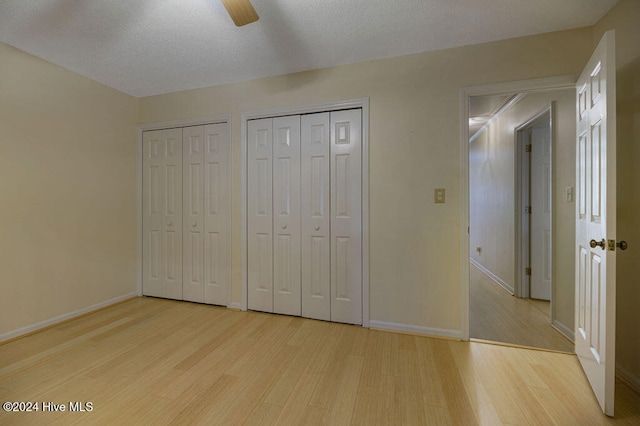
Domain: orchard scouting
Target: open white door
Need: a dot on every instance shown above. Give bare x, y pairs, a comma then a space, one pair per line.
596, 221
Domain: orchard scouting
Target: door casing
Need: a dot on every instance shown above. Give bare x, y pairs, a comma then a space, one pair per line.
542, 84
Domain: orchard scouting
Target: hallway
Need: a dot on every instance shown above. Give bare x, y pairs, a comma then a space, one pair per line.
498, 316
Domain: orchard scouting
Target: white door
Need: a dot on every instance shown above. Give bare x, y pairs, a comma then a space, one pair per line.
541, 212
286, 215
192, 209
259, 215
314, 181
217, 260
162, 213
304, 214
596, 221
346, 216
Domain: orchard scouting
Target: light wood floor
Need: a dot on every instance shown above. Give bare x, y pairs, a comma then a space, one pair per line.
497, 316
154, 361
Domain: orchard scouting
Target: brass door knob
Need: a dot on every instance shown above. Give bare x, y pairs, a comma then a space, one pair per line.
622, 245
594, 244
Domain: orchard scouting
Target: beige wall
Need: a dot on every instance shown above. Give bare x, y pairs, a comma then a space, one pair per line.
67, 168
67, 192
492, 195
625, 20
414, 147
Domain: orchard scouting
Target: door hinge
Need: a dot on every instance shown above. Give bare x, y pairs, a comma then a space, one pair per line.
527, 148
527, 271
527, 210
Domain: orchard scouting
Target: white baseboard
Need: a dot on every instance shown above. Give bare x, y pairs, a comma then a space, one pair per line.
566, 331
492, 276
630, 379
414, 329
52, 321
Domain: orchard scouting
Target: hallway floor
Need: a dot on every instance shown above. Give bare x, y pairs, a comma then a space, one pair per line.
498, 316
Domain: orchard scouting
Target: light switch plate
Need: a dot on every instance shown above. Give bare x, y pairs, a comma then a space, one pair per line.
569, 194
439, 195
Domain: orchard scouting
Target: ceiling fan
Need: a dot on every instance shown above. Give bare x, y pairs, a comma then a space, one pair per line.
241, 11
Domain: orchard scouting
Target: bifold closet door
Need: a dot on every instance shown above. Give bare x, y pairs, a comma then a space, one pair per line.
314, 180
286, 215
346, 216
274, 210
162, 213
260, 215
217, 224
205, 264
304, 190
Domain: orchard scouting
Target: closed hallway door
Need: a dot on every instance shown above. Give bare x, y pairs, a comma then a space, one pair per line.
540, 251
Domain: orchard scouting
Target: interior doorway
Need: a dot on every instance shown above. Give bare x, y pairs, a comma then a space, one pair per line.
512, 251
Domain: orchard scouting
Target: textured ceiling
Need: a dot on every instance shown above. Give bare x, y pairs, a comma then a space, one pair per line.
148, 47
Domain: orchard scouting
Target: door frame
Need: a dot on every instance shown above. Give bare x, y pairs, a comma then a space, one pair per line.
541, 84
362, 103
523, 178
187, 122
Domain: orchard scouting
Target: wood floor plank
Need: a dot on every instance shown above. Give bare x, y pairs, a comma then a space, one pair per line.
343, 403
159, 362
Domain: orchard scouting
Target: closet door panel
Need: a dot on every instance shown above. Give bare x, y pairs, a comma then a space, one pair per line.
346, 216
217, 267
152, 228
286, 215
315, 214
260, 215
162, 213
192, 208
172, 219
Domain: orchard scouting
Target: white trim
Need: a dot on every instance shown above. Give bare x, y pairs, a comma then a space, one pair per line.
522, 86
229, 178
541, 84
493, 277
139, 214
60, 318
308, 109
243, 212
630, 379
506, 107
415, 329
563, 329
187, 122
464, 214
362, 103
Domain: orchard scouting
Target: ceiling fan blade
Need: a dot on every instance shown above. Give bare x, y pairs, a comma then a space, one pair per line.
241, 11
